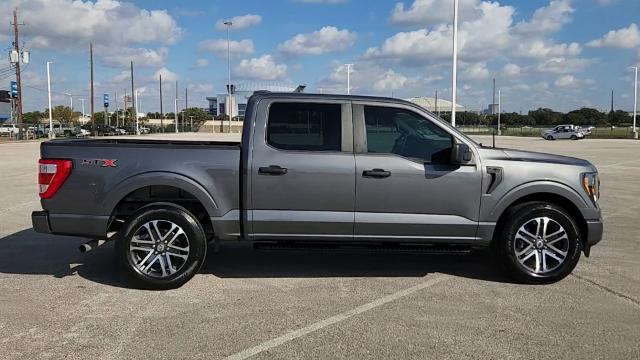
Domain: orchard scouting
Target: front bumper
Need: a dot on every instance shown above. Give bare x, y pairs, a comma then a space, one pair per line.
594, 231
40, 221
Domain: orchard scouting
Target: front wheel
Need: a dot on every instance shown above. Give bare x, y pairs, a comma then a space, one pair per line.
540, 243
161, 246
549, 137
573, 137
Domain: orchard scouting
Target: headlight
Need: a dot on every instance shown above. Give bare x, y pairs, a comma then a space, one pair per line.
591, 184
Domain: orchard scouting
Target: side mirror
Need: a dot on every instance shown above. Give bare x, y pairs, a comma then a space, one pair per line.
461, 154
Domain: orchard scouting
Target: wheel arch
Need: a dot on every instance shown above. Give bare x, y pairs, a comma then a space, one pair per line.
157, 187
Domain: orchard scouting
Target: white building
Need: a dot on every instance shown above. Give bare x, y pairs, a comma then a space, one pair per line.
241, 95
430, 104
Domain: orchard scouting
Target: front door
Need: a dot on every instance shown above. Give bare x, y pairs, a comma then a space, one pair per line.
302, 171
406, 187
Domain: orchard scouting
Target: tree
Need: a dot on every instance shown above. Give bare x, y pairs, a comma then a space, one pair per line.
33, 117
620, 118
545, 116
585, 116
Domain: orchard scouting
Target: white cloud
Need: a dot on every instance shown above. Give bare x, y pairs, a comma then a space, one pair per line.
201, 63
200, 88
239, 22
548, 19
540, 49
561, 65
431, 12
511, 70
68, 24
219, 47
565, 81
479, 38
477, 71
140, 56
167, 75
262, 68
390, 80
326, 40
627, 38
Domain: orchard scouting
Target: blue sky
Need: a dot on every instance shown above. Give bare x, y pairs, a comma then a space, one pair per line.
562, 54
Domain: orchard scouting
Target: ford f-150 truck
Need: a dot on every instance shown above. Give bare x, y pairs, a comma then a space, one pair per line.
318, 169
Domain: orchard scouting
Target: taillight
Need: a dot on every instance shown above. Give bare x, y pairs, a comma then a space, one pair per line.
52, 173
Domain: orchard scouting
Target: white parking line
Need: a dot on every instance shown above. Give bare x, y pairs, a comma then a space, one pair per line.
292, 335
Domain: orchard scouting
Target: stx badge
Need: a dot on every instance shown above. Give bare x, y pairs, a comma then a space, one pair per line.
100, 162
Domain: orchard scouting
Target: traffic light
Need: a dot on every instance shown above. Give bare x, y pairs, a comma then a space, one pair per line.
14, 89
105, 99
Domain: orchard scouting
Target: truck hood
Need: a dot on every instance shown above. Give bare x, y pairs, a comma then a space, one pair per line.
532, 156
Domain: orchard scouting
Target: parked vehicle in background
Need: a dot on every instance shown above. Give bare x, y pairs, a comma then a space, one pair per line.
120, 131
587, 130
144, 130
313, 170
10, 130
82, 132
563, 132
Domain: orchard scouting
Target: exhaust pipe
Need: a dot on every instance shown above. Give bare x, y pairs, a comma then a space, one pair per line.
90, 245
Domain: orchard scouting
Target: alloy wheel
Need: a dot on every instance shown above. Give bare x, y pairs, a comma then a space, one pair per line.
541, 245
159, 248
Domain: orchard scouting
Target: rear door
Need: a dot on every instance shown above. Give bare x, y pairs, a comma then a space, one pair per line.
406, 187
302, 171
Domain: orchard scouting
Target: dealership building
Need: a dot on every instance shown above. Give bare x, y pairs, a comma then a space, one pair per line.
236, 104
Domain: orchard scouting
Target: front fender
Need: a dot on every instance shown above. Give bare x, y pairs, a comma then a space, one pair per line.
492, 212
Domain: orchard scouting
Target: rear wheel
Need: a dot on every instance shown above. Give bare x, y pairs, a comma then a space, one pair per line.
573, 137
162, 246
540, 243
549, 137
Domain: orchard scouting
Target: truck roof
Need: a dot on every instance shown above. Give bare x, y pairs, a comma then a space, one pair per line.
344, 97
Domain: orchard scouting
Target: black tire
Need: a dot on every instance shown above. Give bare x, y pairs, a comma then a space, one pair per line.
549, 137
197, 244
573, 137
517, 217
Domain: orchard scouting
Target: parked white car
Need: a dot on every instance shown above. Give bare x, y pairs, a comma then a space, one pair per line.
563, 132
8, 130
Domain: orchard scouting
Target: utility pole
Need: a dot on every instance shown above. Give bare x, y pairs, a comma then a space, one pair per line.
175, 114
348, 77
134, 95
436, 109
635, 103
52, 135
228, 102
16, 44
93, 121
499, 111
186, 106
117, 110
454, 72
161, 113
82, 101
493, 103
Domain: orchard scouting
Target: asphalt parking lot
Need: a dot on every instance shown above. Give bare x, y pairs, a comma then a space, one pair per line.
57, 303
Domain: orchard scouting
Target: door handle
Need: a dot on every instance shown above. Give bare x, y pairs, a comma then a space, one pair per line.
272, 170
376, 173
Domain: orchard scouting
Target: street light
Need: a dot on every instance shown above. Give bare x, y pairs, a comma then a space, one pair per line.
454, 73
51, 133
635, 102
82, 101
228, 24
348, 77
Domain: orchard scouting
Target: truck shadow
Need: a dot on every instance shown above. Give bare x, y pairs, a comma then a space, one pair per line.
30, 253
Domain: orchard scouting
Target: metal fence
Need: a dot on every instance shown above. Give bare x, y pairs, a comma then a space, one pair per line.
536, 131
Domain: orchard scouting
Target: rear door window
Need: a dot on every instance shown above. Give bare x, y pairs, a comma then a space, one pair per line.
305, 126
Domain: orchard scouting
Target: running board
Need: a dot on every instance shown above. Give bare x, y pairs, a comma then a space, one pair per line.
368, 247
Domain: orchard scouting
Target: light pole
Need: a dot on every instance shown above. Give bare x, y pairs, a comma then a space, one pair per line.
51, 133
635, 103
499, 111
228, 24
82, 101
348, 77
136, 104
454, 72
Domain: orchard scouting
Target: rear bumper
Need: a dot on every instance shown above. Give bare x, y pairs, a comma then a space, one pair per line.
40, 221
90, 226
594, 231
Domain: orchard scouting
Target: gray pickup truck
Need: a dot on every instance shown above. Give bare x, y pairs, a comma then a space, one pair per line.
315, 170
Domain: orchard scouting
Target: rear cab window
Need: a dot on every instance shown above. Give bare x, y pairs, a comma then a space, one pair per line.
305, 126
